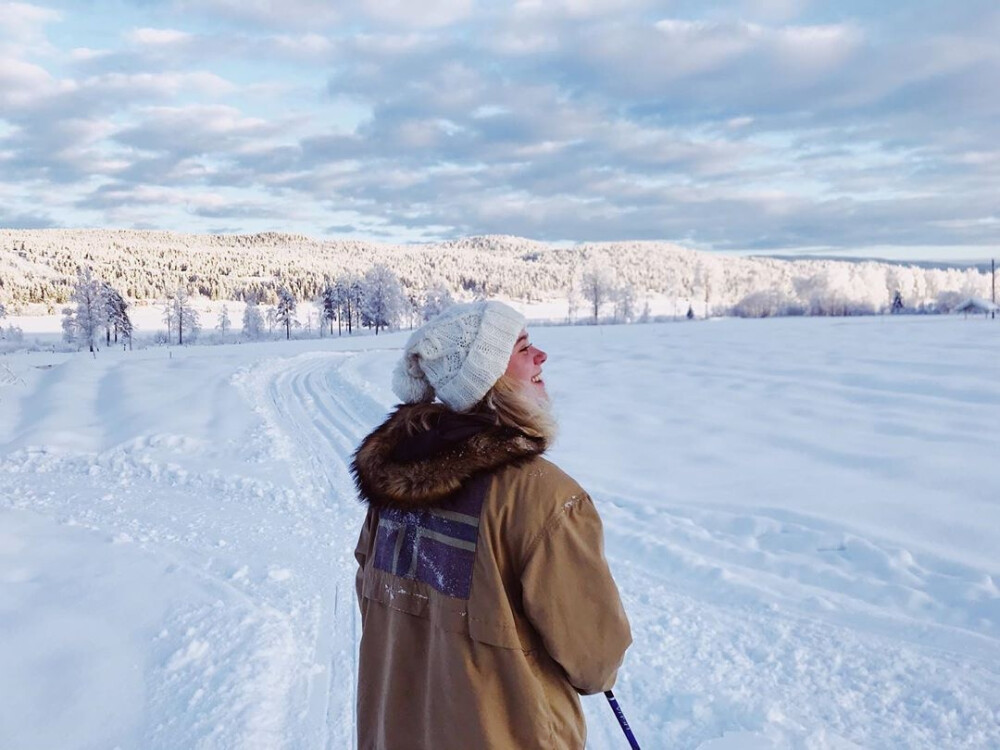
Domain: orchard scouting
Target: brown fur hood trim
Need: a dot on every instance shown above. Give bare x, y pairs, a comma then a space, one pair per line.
396, 467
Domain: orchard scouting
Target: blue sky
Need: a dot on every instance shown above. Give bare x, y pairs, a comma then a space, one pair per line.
782, 126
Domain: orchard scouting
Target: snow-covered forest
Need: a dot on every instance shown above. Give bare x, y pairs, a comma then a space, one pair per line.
39, 267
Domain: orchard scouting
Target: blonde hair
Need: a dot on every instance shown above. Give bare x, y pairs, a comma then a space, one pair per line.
511, 405
506, 404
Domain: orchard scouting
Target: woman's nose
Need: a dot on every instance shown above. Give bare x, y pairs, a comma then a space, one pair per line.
540, 357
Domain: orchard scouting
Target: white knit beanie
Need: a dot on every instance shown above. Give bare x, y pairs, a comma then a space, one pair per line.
458, 355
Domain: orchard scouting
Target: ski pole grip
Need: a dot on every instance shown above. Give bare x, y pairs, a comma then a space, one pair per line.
620, 715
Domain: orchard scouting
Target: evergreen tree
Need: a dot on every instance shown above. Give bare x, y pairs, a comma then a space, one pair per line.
329, 307
355, 299
897, 303
126, 328
285, 311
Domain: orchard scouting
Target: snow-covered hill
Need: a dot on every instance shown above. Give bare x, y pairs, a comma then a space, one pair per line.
39, 266
803, 516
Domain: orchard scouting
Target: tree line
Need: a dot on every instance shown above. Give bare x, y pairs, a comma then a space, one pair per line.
39, 266
375, 300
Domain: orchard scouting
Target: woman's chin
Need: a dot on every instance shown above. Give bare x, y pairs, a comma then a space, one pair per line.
539, 393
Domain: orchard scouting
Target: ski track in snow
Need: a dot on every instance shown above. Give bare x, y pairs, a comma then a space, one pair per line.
760, 628
320, 421
262, 652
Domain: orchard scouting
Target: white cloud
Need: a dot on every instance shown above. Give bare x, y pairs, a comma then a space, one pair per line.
86, 54
22, 31
303, 45
691, 47
426, 13
21, 82
416, 111
816, 47
148, 36
301, 14
160, 84
775, 10
573, 9
489, 110
518, 42
697, 46
21, 21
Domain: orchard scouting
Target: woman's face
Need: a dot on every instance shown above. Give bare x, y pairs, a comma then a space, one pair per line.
525, 365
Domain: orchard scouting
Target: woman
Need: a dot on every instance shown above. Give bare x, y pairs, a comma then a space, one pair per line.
486, 601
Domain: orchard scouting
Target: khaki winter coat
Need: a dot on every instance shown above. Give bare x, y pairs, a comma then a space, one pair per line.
486, 601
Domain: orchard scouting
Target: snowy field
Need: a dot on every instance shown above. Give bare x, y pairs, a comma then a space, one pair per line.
803, 516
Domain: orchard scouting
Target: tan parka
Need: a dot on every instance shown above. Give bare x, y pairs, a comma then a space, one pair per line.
486, 601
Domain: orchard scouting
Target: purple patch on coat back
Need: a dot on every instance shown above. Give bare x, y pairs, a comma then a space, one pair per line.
436, 546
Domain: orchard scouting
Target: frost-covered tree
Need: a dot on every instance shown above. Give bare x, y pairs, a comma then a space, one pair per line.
765, 304
185, 316
68, 324
624, 299
170, 318
597, 285
437, 298
224, 324
11, 333
411, 313
572, 298
708, 278
83, 320
116, 317
253, 322
348, 292
284, 311
647, 313
271, 320
383, 299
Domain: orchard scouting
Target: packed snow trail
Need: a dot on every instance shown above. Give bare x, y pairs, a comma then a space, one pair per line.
319, 420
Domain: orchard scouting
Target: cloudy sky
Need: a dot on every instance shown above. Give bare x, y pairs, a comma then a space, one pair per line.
778, 126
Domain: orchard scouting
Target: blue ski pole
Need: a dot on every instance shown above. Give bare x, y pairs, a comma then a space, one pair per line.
619, 714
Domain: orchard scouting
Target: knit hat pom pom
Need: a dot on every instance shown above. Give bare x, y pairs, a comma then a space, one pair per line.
409, 383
